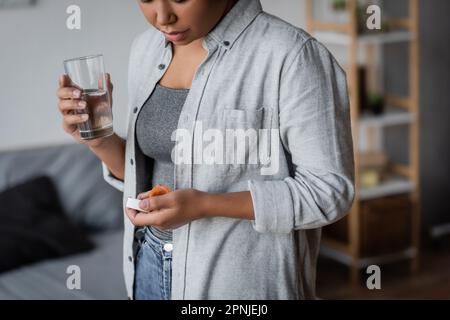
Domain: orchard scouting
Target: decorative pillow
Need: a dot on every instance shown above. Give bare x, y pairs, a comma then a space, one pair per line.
34, 227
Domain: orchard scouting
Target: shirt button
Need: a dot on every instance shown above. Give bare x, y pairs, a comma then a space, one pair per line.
161, 66
131, 161
226, 43
168, 247
130, 258
135, 110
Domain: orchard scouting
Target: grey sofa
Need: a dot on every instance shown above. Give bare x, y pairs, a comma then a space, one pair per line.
90, 202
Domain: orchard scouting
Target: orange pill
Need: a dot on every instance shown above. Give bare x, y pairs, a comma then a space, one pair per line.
159, 190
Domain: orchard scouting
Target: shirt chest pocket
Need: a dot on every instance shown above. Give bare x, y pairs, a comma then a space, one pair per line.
245, 138
242, 118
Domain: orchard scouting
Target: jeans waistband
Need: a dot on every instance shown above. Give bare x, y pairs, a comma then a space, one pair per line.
158, 244
164, 235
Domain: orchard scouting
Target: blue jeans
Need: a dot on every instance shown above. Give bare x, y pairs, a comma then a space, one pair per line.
153, 277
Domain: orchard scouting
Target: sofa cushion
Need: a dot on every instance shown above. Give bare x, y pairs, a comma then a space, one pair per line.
77, 174
101, 274
34, 227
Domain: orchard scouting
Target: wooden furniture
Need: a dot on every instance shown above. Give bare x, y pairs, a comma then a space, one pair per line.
353, 240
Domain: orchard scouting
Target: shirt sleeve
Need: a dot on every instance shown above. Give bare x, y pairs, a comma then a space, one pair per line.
107, 175
315, 129
111, 179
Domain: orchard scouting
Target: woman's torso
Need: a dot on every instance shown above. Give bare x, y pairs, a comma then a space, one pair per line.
229, 91
159, 117
155, 123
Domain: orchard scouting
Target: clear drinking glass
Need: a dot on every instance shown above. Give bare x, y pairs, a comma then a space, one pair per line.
88, 75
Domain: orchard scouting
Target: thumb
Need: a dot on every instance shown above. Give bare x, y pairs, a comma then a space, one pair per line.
108, 81
64, 81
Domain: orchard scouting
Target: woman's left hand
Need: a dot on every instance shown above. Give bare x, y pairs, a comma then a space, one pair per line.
169, 211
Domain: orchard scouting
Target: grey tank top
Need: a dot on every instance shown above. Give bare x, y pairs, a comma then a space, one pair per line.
156, 121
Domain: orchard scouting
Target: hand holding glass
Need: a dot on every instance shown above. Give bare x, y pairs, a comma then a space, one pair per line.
88, 75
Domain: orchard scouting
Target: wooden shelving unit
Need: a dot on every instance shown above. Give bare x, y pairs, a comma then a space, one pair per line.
402, 111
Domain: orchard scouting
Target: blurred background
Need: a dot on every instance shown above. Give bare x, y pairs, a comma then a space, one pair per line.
399, 84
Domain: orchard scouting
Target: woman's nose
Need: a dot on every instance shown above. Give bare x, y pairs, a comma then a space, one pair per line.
165, 16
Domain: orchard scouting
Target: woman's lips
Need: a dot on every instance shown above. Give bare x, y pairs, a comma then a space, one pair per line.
175, 36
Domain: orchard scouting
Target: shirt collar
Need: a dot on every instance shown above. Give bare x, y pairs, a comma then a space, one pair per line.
226, 32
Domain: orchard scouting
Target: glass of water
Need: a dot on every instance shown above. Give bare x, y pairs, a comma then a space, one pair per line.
88, 75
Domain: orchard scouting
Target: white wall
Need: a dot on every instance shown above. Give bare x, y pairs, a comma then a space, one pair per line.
33, 43
289, 10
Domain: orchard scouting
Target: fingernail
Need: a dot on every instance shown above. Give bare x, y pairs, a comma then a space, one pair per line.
141, 196
84, 117
82, 104
143, 205
76, 93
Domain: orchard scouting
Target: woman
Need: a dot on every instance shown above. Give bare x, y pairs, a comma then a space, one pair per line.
231, 229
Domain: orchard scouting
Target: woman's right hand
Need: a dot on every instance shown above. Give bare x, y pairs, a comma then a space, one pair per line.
70, 104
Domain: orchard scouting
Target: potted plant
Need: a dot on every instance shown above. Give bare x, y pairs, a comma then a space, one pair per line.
375, 103
339, 5
339, 10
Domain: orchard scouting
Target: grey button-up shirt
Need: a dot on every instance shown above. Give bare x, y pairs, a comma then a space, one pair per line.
260, 73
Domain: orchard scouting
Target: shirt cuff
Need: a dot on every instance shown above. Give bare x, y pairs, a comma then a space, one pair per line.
272, 205
113, 181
